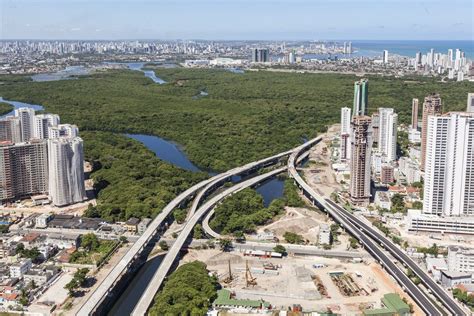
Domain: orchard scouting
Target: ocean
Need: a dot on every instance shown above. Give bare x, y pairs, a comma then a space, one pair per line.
410, 48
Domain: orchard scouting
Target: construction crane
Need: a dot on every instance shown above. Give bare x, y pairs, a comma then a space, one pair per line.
229, 277
248, 275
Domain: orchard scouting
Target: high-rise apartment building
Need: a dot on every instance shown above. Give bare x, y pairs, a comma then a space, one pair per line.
42, 123
387, 143
10, 129
345, 152
375, 127
385, 57
361, 144
361, 97
431, 106
449, 167
470, 102
414, 114
260, 55
23, 169
27, 116
63, 130
66, 170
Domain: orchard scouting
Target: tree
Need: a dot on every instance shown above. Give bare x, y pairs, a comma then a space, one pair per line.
180, 215
89, 241
398, 203
280, 249
354, 244
19, 249
334, 231
188, 291
293, 238
163, 245
198, 231
225, 244
71, 287
3, 229
417, 205
174, 235
24, 297
123, 239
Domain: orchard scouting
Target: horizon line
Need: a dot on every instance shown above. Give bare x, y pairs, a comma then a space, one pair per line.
232, 40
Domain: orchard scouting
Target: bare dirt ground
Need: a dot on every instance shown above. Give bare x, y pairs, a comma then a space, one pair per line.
293, 283
100, 275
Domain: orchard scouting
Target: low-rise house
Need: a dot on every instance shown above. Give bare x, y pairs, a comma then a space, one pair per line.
40, 275
141, 227
450, 279
42, 220
31, 240
19, 269
382, 200
436, 266
8, 301
132, 224
63, 241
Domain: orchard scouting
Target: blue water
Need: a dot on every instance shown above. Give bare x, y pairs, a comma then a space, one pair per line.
271, 190
18, 105
139, 67
165, 150
410, 48
64, 74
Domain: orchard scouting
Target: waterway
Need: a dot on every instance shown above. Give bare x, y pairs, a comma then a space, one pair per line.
171, 153
66, 74
166, 150
127, 301
17, 105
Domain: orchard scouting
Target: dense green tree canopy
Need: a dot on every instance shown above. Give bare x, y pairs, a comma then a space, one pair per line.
5, 108
245, 117
243, 211
188, 291
131, 181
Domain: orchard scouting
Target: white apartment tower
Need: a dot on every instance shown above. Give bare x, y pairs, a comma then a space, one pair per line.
470, 102
66, 170
27, 116
449, 167
42, 123
387, 142
345, 152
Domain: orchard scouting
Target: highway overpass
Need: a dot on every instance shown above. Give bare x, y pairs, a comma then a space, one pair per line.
99, 297
369, 236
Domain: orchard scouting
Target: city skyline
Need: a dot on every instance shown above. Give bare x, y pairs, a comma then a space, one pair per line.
213, 20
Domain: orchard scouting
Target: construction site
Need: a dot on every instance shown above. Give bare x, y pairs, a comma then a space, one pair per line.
344, 286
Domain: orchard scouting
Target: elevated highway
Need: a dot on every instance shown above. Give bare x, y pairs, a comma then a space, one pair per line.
159, 276
368, 237
93, 305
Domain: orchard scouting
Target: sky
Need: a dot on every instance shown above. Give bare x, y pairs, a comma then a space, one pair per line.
238, 19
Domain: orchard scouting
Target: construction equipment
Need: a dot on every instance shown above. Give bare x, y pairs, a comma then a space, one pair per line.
229, 278
269, 266
248, 275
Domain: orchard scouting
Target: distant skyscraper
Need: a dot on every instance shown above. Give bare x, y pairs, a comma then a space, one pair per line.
361, 144
449, 168
345, 152
431, 106
470, 102
345, 48
414, 114
387, 143
418, 60
23, 170
361, 97
66, 171
385, 57
26, 116
260, 55
349, 48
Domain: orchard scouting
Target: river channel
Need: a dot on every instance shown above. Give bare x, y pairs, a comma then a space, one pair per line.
171, 153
